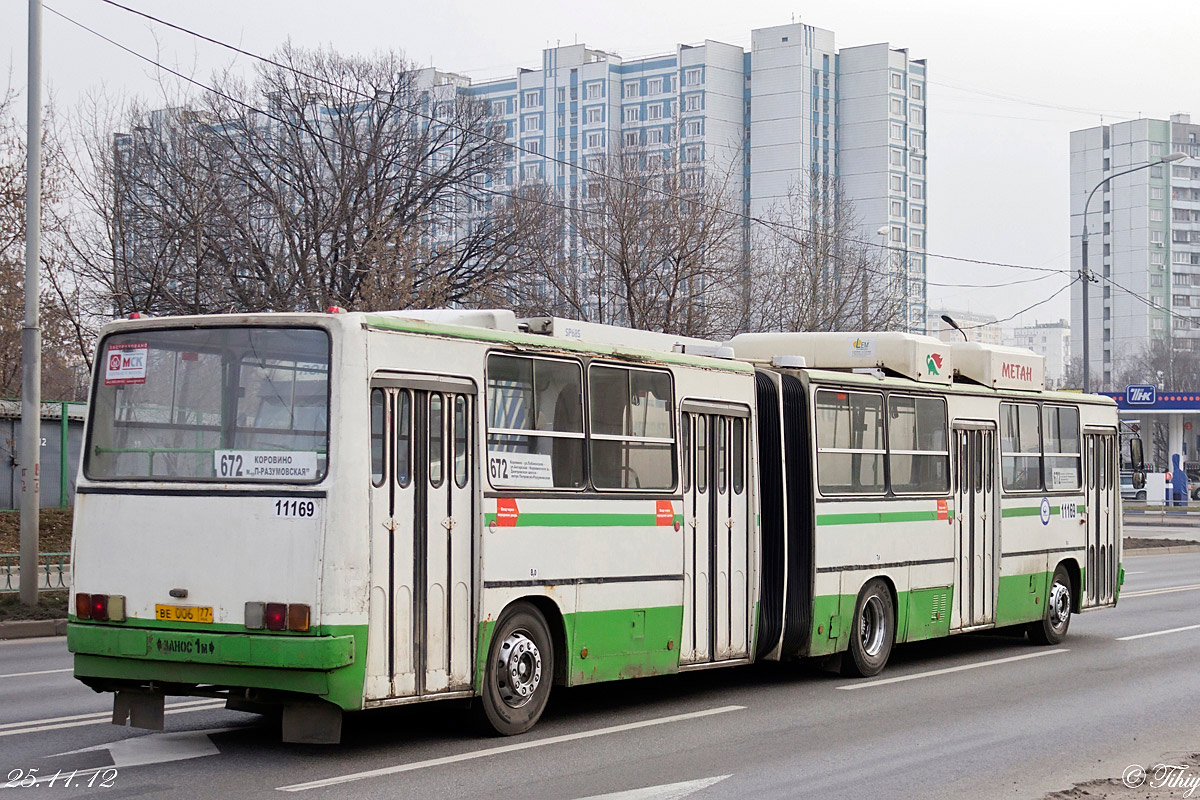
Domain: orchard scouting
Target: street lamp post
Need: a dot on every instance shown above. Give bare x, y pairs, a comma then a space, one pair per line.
1085, 277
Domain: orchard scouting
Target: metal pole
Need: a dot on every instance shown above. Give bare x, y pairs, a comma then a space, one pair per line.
1083, 283
64, 460
29, 456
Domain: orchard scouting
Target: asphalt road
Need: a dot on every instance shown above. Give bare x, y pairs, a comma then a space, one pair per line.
970, 716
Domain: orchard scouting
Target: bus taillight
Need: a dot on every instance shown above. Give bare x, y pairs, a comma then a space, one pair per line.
83, 606
298, 617
100, 607
276, 616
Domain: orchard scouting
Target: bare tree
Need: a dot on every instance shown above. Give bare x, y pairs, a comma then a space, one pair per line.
63, 360
654, 244
324, 180
810, 270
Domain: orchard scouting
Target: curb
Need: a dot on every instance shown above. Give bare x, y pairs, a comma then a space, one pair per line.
1159, 522
1162, 551
32, 628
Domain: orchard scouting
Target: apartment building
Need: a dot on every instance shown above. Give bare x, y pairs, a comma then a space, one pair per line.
1144, 241
1052, 341
978, 327
762, 121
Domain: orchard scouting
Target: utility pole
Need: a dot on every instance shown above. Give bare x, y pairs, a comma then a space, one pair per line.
1085, 276
29, 454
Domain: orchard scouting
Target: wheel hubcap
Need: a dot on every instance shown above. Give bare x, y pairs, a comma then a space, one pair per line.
1060, 605
872, 626
519, 669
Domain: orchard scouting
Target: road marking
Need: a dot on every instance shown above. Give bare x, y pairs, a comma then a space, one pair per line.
666, 791
507, 748
902, 678
76, 720
37, 672
1191, 587
155, 748
1156, 633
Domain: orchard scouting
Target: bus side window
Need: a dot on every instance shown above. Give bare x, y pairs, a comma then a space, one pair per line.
685, 444
701, 453
462, 425
435, 440
377, 445
631, 428
403, 437
739, 455
534, 422
722, 455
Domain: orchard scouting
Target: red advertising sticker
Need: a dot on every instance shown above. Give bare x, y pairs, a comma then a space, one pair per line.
664, 512
943, 509
125, 363
506, 512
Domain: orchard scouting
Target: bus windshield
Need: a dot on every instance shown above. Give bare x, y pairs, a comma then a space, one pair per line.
211, 404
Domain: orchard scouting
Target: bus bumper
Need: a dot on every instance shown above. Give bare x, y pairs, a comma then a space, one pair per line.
113, 657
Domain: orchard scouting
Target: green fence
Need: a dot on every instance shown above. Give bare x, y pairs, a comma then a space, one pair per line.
54, 571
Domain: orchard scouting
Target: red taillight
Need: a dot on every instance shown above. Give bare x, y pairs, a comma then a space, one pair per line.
134, 315
83, 606
276, 617
336, 310
100, 607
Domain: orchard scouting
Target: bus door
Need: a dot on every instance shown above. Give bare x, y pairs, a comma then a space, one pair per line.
1102, 551
716, 533
975, 524
422, 476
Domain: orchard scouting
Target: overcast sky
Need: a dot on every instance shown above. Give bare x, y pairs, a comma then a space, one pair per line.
1008, 81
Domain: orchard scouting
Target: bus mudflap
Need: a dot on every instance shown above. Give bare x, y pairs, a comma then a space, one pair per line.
140, 709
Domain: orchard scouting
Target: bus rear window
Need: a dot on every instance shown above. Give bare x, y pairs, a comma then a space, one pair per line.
211, 404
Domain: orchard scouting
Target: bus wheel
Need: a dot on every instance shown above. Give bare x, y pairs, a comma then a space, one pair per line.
520, 669
1053, 627
873, 633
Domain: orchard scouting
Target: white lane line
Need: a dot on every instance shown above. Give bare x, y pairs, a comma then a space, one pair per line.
902, 678
507, 748
1191, 587
36, 672
666, 791
36, 726
1156, 633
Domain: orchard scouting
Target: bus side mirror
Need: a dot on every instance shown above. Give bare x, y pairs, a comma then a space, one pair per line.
1139, 466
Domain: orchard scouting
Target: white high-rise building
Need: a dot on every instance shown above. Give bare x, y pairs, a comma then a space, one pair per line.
767, 120
1144, 241
981, 328
1052, 341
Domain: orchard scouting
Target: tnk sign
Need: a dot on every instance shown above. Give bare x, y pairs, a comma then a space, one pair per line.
1139, 394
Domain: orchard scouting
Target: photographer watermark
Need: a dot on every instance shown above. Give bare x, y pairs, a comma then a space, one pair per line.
1162, 776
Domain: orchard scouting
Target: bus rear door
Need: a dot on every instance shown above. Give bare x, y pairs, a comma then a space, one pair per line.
422, 458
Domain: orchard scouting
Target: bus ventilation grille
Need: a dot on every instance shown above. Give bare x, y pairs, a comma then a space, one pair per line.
939, 606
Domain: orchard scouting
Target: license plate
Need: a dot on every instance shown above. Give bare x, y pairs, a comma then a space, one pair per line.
183, 613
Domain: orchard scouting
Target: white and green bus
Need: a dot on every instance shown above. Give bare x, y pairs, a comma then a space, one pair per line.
324, 513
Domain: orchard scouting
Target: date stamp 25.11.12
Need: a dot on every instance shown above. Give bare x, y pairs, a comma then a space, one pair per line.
103, 778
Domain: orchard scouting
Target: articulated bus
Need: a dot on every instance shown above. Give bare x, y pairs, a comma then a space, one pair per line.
321, 513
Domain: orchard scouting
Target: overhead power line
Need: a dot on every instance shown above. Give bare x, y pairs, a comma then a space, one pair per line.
517, 146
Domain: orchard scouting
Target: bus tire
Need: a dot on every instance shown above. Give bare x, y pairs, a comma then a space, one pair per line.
872, 632
1057, 618
519, 671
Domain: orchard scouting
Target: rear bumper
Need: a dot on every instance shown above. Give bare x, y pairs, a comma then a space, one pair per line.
231, 649
326, 666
